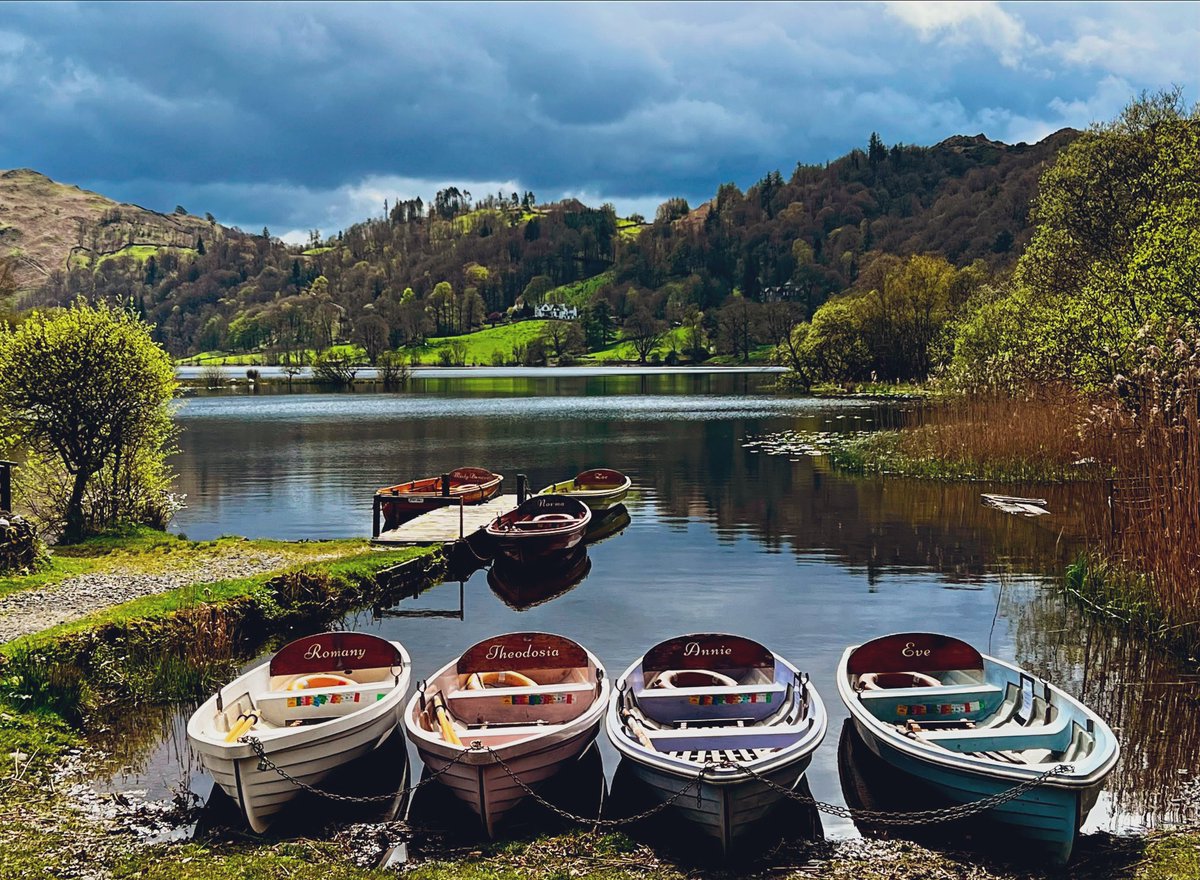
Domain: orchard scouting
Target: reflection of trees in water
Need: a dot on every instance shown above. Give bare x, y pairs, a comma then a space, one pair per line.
144, 745
1149, 698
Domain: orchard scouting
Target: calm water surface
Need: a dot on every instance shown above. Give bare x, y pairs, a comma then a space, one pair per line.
720, 538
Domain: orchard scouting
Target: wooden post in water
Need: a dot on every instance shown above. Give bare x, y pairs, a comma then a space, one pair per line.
522, 488
446, 485
375, 517
461, 505
6, 485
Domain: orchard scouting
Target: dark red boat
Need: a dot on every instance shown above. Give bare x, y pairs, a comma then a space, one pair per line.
400, 503
542, 527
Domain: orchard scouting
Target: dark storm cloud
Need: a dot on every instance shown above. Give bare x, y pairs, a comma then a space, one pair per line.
309, 115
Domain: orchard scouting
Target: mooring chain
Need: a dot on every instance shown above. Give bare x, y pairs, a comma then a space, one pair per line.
875, 817
916, 817
596, 821
265, 763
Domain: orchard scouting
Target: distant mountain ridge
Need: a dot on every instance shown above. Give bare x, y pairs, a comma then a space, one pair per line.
441, 268
47, 226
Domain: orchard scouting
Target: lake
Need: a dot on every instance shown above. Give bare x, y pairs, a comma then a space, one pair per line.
721, 537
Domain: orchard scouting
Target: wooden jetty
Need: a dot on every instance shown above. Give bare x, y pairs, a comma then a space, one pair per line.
448, 523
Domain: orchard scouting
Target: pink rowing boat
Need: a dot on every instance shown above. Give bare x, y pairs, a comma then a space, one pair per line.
533, 701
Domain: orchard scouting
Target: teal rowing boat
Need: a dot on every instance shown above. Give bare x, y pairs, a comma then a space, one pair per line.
970, 727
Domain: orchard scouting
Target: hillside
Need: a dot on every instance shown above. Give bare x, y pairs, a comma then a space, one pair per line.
441, 269
47, 226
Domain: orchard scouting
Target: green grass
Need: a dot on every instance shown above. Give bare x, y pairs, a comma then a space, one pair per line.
482, 344
623, 350
1171, 857
577, 293
312, 252
760, 356
355, 560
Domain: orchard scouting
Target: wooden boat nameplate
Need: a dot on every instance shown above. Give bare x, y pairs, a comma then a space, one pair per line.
515, 651
471, 475
330, 651
708, 651
600, 477
913, 652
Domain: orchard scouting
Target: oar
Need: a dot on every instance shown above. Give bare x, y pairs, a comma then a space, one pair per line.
442, 714
244, 724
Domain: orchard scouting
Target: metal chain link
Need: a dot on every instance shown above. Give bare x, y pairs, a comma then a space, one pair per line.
596, 821
916, 817
265, 763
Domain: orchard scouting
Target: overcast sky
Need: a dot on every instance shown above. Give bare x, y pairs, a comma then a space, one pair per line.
297, 116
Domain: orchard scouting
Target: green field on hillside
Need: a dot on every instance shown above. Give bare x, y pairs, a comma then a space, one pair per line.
577, 293
482, 344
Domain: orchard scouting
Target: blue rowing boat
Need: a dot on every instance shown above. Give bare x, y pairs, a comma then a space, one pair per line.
969, 726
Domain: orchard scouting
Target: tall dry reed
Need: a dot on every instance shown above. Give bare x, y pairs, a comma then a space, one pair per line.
1034, 435
1152, 527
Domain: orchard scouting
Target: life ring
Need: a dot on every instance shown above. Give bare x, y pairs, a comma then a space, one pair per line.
477, 681
882, 681
689, 678
320, 680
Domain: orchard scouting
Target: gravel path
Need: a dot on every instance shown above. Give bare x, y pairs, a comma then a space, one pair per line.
35, 610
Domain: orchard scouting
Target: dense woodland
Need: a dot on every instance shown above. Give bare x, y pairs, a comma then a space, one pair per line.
451, 266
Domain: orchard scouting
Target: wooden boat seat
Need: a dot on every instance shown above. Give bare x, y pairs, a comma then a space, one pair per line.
690, 739
753, 702
280, 707
973, 701
1053, 736
552, 703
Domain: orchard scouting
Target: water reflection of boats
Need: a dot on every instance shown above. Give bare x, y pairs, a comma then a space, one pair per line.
309, 712
716, 713
606, 524
534, 701
969, 726
524, 586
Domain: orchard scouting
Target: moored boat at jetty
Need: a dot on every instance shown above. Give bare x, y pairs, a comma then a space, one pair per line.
473, 485
712, 712
967, 726
529, 702
598, 488
541, 527
317, 704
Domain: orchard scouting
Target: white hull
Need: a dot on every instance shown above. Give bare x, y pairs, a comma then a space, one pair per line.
308, 754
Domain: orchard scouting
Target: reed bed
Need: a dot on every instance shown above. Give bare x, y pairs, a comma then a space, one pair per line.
1151, 526
1032, 436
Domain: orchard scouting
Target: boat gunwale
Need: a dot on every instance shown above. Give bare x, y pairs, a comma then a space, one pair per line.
587, 494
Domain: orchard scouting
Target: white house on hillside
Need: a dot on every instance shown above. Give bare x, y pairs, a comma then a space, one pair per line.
557, 311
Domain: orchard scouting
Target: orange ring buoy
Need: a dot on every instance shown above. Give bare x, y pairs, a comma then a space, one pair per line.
320, 680
508, 679
880, 681
675, 678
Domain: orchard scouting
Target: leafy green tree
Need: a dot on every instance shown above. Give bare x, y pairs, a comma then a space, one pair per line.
598, 324
87, 393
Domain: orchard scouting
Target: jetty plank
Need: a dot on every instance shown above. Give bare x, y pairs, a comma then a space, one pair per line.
442, 525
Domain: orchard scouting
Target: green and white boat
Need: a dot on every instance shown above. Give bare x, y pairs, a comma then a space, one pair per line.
598, 488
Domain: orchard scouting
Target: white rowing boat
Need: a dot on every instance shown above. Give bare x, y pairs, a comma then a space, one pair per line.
531, 700
701, 712
319, 703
